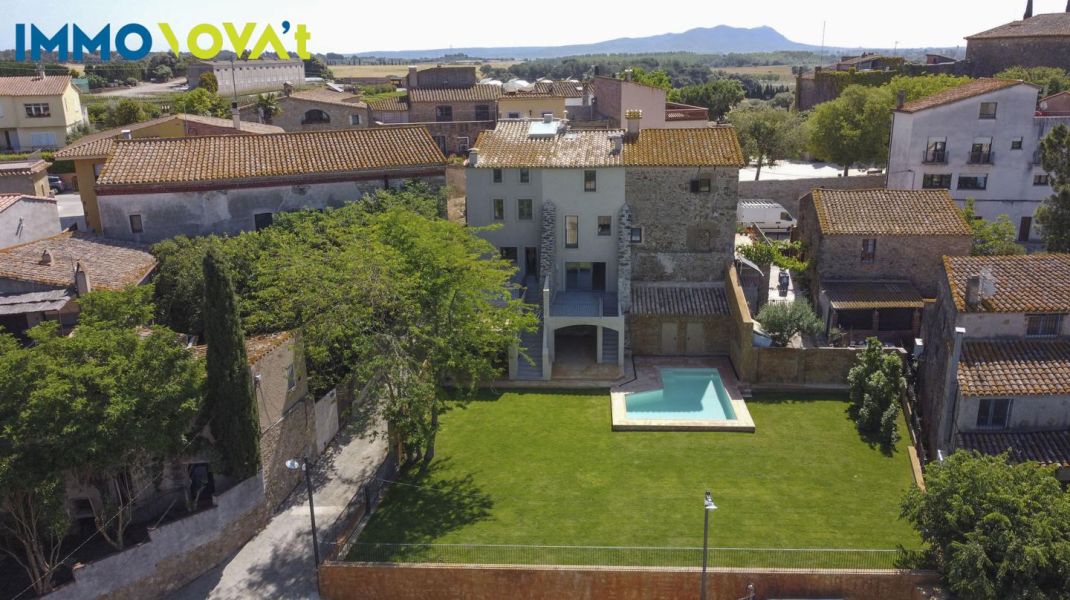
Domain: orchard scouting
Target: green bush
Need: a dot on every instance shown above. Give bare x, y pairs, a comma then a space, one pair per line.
783, 320
876, 383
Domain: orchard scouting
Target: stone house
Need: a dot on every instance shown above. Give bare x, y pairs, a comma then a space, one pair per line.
314, 110
1037, 41
89, 152
37, 112
613, 97
622, 237
25, 218
28, 177
869, 61
995, 373
245, 76
42, 279
154, 189
876, 255
978, 140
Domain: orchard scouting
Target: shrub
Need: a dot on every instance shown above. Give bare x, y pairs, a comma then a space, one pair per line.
782, 320
876, 382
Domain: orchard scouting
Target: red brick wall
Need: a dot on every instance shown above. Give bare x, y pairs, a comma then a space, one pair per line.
352, 581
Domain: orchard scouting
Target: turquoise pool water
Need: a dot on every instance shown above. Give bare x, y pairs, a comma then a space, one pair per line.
686, 395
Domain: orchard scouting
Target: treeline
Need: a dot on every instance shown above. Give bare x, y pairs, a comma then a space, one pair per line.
10, 68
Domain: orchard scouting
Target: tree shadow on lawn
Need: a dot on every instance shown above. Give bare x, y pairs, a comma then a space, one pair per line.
421, 509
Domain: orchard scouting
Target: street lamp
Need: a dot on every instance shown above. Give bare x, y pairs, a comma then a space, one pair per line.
294, 464
709, 507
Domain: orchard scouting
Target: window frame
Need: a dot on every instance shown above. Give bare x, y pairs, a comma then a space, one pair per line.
983, 178
926, 181
520, 202
1017, 143
497, 209
34, 110
1047, 324
869, 251
987, 411
140, 227
496, 176
701, 185
572, 231
524, 175
632, 238
444, 113
257, 217
590, 180
608, 224
483, 109
981, 114
1041, 179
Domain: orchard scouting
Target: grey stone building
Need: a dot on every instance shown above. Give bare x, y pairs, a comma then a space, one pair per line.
317, 109
1036, 41
244, 76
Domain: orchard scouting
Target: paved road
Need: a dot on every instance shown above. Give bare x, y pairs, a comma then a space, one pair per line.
144, 89
277, 563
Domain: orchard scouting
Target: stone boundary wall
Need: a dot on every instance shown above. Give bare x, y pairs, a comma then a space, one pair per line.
374, 581
788, 192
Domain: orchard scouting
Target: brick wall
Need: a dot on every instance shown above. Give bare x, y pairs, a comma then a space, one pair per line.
352, 581
990, 56
788, 192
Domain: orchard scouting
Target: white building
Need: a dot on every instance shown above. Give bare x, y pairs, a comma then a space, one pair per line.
978, 140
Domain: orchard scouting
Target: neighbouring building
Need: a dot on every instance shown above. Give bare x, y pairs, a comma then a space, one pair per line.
41, 280
995, 372
1038, 41
1055, 105
245, 76
876, 255
621, 237
37, 112
613, 97
89, 152
29, 176
314, 110
979, 140
153, 189
26, 218
869, 61
563, 99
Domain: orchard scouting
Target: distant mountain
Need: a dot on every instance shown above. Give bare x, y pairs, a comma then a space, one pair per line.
703, 40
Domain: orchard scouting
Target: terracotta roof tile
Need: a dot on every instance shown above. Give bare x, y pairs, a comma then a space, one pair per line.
9, 200
664, 299
256, 346
49, 85
1045, 447
481, 92
1014, 367
18, 168
865, 58
110, 264
1037, 283
855, 295
390, 104
229, 157
888, 212
1050, 24
965, 91
328, 96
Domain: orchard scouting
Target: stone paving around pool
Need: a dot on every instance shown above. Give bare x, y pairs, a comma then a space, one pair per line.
648, 377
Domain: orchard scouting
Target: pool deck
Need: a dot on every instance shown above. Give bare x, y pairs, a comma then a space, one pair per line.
648, 377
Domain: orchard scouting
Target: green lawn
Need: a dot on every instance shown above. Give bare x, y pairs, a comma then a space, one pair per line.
545, 468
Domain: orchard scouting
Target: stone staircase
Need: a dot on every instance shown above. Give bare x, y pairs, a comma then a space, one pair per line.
610, 344
531, 343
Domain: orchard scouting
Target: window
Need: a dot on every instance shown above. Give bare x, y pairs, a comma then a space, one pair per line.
973, 182
525, 176
354, 119
981, 151
482, 112
785, 216
509, 253
291, 378
605, 225
37, 110
1016, 143
135, 224
523, 209
936, 150
572, 231
262, 220
499, 209
514, 115
936, 181
590, 181
440, 141
497, 175
1041, 179
635, 235
988, 110
869, 250
462, 143
315, 116
993, 412
700, 186
1043, 325
443, 113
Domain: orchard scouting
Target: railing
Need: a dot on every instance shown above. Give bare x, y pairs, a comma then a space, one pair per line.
626, 556
934, 156
978, 157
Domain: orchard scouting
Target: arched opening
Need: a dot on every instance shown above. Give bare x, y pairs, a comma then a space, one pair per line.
315, 116
575, 347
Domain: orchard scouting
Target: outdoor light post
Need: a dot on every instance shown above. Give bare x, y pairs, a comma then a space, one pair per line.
302, 464
709, 507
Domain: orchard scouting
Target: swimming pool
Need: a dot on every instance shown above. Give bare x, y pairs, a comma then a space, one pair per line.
685, 394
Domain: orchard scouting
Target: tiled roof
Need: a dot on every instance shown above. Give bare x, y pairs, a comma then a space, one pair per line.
509, 146
256, 346
664, 299
1050, 24
888, 212
1030, 283
110, 264
866, 58
17, 304
1014, 367
9, 200
965, 91
1045, 447
477, 93
16, 168
567, 89
49, 85
328, 96
229, 157
100, 144
857, 295
390, 104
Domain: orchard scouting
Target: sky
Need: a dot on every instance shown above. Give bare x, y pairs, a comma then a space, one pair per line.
352, 26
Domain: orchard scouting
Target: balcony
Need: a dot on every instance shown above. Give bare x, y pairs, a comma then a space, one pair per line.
934, 156
981, 157
584, 304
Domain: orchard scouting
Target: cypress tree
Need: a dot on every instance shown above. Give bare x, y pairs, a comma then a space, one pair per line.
229, 387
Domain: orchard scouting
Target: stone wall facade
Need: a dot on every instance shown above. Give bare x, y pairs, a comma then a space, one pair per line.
687, 236
548, 242
788, 192
426, 112
714, 333
350, 581
624, 258
292, 117
990, 56
453, 137
292, 436
914, 258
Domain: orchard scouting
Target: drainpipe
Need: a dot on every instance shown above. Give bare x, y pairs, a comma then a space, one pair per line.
951, 394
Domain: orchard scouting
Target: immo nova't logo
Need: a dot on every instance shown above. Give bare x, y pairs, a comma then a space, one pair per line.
134, 41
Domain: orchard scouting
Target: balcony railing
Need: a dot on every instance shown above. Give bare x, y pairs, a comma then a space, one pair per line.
979, 157
934, 156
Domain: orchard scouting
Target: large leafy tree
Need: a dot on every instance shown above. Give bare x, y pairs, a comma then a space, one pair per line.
1052, 80
876, 382
200, 101
767, 134
1054, 214
991, 238
717, 95
656, 78
996, 531
784, 320
851, 129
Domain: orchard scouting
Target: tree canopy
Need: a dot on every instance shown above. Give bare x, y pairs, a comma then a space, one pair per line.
716, 95
1051, 80
991, 238
767, 134
1053, 216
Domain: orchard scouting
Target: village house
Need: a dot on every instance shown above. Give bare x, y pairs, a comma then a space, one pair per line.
154, 189
621, 237
25, 218
876, 255
614, 97
869, 61
38, 111
1036, 41
1055, 105
563, 99
314, 110
28, 176
89, 152
42, 279
979, 140
996, 367
245, 76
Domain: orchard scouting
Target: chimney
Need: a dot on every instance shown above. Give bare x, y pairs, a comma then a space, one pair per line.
973, 291
548, 118
40, 71
234, 114
900, 98
125, 134
617, 139
634, 118
564, 115
81, 280
473, 157
410, 79
1028, 10
46, 257
287, 89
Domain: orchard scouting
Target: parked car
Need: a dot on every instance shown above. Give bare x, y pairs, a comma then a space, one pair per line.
55, 183
783, 283
769, 216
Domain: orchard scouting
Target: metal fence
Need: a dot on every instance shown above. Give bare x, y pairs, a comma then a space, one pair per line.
622, 556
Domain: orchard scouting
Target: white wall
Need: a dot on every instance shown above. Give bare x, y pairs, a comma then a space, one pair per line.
511, 231
997, 325
1029, 412
39, 220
